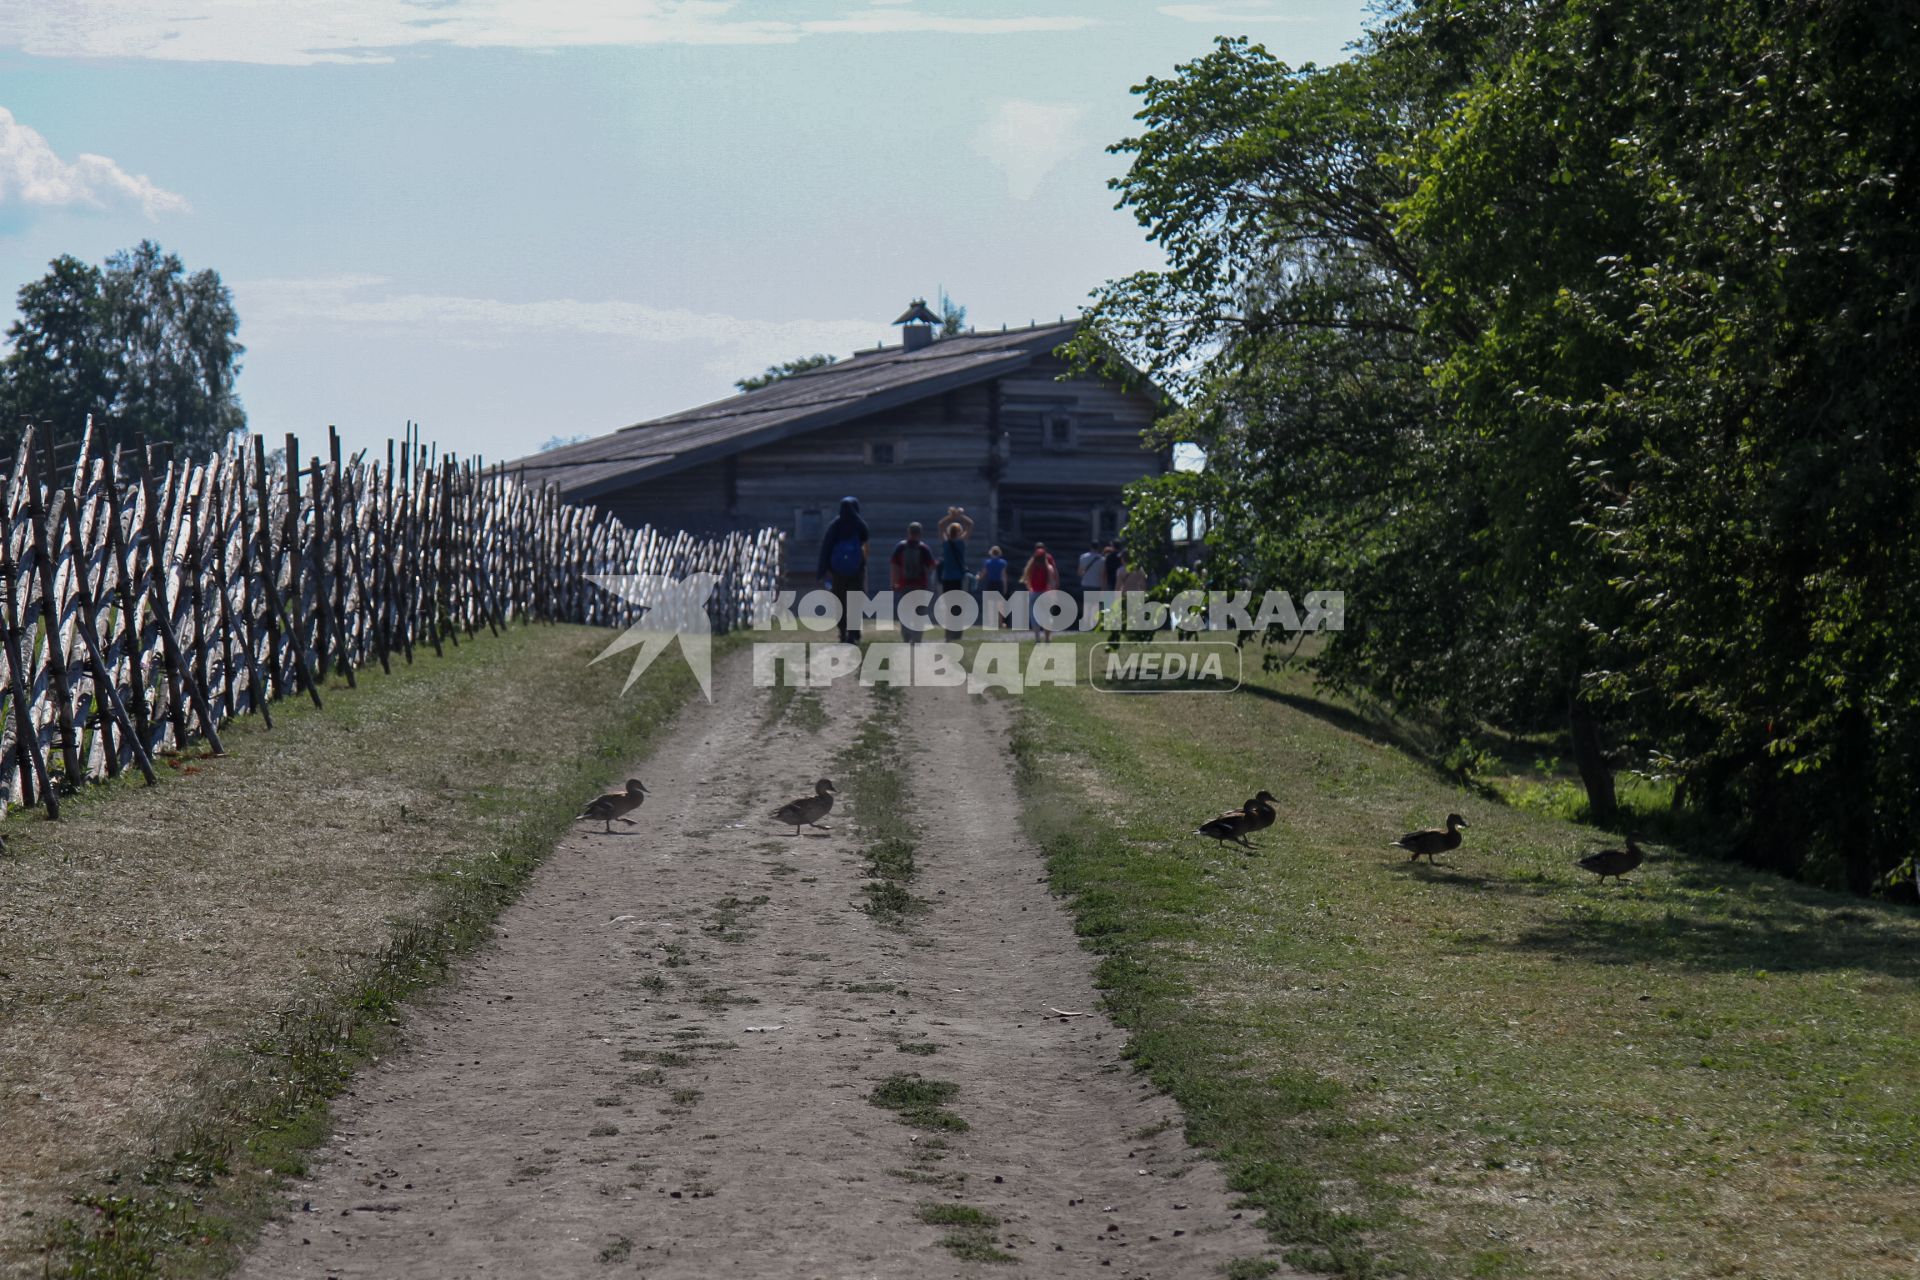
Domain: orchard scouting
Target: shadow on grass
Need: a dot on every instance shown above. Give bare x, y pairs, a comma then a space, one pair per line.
1452, 876
1375, 729
1774, 932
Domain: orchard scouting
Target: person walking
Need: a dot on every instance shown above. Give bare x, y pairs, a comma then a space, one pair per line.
913, 563
1115, 565
1092, 572
1132, 579
953, 564
1041, 576
843, 562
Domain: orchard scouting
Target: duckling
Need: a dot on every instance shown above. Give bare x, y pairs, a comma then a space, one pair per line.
617, 804
1614, 862
1433, 840
1235, 824
808, 810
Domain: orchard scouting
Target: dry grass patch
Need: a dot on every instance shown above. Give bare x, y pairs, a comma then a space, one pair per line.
166, 952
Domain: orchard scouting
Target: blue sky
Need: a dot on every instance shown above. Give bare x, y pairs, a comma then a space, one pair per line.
513, 219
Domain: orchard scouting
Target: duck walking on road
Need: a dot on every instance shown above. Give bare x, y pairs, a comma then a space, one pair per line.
1433, 840
617, 804
808, 810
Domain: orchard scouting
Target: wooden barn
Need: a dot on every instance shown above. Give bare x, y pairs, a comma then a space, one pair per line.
979, 420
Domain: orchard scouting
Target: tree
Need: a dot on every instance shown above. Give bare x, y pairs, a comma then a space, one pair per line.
1577, 343
953, 317
1696, 270
146, 350
776, 372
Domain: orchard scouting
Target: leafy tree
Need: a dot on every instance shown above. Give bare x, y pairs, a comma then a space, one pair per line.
1576, 342
144, 348
1687, 232
776, 372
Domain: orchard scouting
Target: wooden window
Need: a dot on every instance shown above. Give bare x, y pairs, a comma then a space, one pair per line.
808, 524
1058, 434
885, 453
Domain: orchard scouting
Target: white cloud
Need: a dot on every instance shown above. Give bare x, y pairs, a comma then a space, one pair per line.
297, 32
1230, 12
31, 173
1027, 139
362, 304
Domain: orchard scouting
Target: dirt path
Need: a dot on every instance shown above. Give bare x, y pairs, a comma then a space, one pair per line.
662, 1066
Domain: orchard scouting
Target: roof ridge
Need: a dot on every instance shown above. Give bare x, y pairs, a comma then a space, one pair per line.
698, 412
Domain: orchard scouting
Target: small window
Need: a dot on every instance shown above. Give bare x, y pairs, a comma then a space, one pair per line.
885, 453
807, 524
1058, 433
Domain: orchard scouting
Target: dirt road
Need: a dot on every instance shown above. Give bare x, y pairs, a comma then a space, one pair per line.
662, 1066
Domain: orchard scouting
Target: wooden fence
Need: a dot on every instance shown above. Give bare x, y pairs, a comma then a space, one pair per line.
148, 600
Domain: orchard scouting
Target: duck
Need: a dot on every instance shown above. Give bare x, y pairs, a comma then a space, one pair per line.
1433, 840
1261, 807
808, 810
1615, 862
1256, 814
617, 804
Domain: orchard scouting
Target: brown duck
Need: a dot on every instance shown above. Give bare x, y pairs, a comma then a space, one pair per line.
1615, 862
1434, 840
808, 810
1236, 825
617, 804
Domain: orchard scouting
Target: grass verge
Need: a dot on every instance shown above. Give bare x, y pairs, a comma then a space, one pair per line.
434, 792
1494, 1066
877, 785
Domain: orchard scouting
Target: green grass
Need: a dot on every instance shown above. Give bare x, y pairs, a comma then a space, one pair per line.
257, 1110
918, 1101
877, 786
799, 707
971, 1239
1495, 1066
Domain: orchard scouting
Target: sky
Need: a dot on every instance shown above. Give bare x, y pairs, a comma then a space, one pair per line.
510, 220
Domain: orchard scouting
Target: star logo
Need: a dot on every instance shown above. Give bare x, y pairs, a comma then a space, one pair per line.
665, 609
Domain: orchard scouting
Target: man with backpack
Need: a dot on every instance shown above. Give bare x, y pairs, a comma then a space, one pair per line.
913, 563
843, 562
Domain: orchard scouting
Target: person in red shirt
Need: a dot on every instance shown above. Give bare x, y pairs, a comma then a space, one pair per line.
912, 563
1041, 576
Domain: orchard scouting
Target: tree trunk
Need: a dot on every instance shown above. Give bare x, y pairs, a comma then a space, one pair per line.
1591, 760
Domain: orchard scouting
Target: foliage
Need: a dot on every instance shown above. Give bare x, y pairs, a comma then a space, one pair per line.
1575, 343
145, 349
953, 317
775, 372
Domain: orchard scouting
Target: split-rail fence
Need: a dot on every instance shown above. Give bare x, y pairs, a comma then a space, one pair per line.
148, 599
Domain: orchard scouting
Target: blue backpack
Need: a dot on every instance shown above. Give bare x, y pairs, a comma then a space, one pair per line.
845, 558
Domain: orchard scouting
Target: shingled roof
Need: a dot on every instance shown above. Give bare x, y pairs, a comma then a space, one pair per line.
868, 383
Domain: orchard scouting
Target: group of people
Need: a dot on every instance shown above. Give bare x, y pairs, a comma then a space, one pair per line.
916, 565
